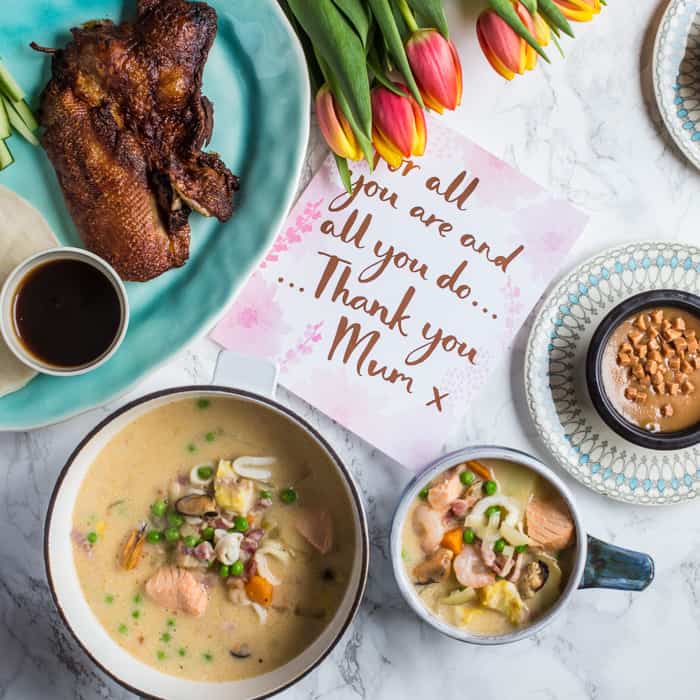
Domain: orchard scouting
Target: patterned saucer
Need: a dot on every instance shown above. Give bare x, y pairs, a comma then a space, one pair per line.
676, 74
555, 380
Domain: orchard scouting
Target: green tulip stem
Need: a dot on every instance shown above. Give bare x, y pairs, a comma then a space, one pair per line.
407, 15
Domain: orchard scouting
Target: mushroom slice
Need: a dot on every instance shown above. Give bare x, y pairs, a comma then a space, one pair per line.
197, 505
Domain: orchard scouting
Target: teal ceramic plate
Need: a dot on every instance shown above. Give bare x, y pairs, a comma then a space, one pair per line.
256, 78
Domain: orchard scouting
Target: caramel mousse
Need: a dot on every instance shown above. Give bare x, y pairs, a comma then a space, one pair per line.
651, 369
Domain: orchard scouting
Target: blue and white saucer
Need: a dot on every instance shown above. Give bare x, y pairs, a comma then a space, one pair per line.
676, 75
555, 380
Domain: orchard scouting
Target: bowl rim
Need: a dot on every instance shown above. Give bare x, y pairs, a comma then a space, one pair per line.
440, 465
21, 271
676, 440
363, 530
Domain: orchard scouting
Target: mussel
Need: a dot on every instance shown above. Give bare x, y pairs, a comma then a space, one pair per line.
197, 505
240, 651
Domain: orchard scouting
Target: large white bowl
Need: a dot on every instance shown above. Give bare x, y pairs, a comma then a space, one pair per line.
89, 633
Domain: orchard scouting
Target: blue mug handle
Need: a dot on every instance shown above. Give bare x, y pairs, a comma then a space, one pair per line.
608, 566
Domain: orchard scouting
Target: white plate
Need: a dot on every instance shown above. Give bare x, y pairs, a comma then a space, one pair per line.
555, 380
676, 75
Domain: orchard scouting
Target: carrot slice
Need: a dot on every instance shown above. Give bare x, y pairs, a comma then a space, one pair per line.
480, 469
453, 541
259, 590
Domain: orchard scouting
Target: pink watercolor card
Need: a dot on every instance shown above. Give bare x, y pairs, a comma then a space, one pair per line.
388, 308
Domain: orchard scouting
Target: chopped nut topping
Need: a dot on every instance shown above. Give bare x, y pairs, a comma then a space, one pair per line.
667, 410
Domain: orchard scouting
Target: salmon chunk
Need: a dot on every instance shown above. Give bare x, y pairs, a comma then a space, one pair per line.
549, 523
446, 491
315, 525
177, 589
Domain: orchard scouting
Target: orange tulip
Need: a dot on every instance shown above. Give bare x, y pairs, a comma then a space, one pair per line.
398, 129
437, 69
507, 52
578, 10
334, 126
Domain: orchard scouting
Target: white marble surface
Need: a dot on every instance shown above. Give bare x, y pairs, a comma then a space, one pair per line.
583, 127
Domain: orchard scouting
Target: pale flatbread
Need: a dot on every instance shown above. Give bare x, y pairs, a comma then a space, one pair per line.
23, 232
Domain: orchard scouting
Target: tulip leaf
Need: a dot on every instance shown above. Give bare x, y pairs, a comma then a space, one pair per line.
554, 17
387, 24
355, 11
530, 5
364, 141
336, 42
377, 70
432, 13
315, 75
343, 171
507, 13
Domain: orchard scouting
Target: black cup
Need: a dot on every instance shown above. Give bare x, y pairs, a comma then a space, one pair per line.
594, 379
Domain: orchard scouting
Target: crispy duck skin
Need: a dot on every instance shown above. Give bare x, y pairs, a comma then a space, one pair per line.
125, 123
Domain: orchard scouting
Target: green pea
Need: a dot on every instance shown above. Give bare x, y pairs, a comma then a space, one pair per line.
191, 447
469, 536
158, 508
240, 524
175, 520
123, 629
137, 599
499, 545
165, 637
92, 537
136, 614
490, 487
204, 472
266, 494
170, 622
208, 657
109, 599
181, 651
224, 571
154, 536
208, 533
237, 568
491, 510
203, 403
423, 493
210, 437
521, 548
160, 654
467, 477
172, 534
288, 495
191, 541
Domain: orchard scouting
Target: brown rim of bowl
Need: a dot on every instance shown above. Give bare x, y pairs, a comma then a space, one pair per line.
194, 388
677, 440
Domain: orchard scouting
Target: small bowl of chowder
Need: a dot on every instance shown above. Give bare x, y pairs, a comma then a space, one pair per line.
206, 541
643, 369
488, 547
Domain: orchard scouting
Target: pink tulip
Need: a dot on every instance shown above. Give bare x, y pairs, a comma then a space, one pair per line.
578, 10
398, 129
508, 53
436, 68
334, 126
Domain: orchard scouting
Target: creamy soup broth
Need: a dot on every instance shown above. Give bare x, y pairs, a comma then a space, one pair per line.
433, 541
133, 471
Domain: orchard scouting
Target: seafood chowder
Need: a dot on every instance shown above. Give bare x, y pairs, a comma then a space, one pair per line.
209, 539
488, 546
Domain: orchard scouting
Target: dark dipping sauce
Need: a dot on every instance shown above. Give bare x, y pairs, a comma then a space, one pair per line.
67, 313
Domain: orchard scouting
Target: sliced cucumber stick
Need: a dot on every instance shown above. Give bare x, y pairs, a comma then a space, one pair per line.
6, 158
5, 130
26, 114
17, 123
9, 86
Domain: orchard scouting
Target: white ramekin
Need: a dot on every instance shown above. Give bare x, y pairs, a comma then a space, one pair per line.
7, 298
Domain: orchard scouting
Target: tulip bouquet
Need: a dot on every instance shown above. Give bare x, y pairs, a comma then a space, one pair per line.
512, 33
375, 66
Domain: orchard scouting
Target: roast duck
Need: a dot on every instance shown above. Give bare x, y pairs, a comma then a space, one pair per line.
125, 123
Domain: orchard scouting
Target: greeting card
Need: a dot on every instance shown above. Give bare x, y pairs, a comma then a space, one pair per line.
388, 307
